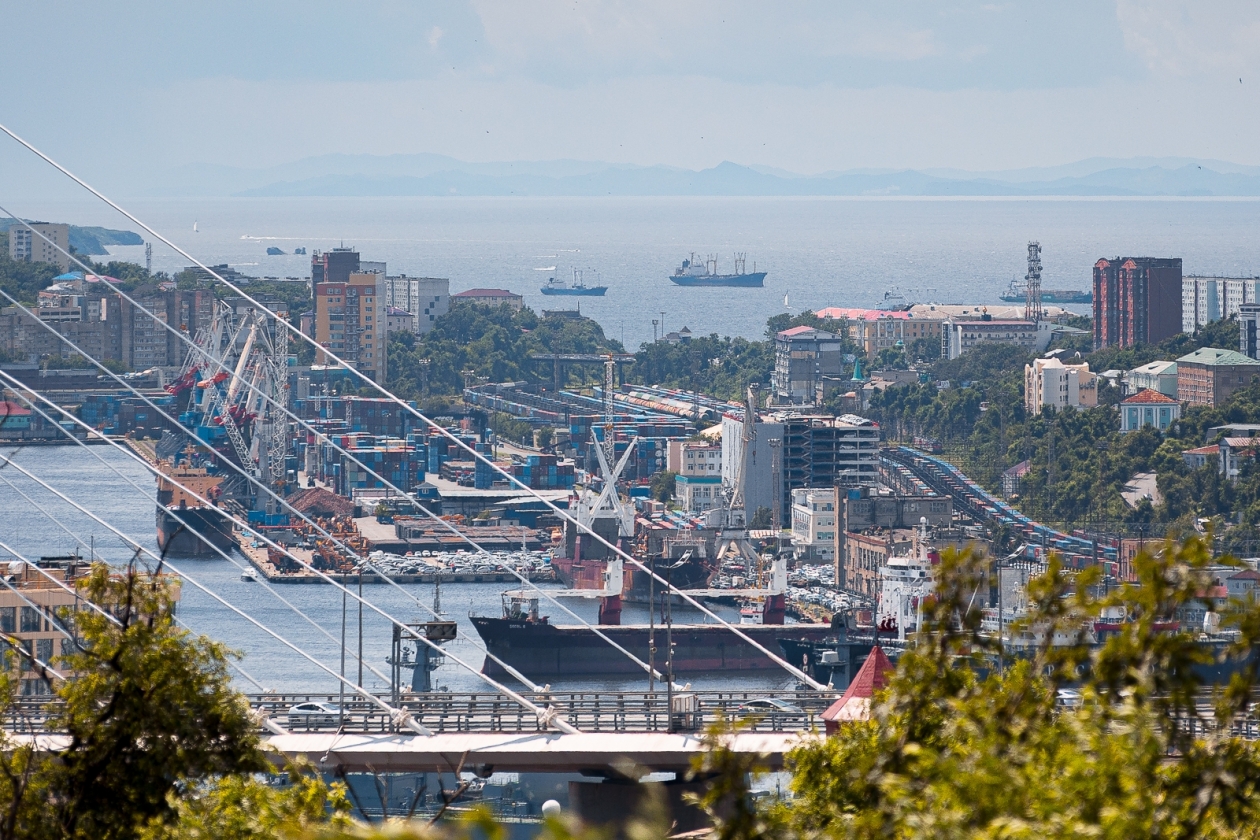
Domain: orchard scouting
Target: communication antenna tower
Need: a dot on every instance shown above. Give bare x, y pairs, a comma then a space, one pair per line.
610, 384
148, 257
1032, 288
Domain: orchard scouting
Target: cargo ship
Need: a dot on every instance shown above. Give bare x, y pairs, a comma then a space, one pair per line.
1016, 293
174, 503
577, 288
540, 650
691, 273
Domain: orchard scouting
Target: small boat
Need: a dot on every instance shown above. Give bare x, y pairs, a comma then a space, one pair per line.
194, 226
249, 575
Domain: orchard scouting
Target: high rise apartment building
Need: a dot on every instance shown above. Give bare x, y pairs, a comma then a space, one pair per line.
1208, 299
1137, 300
425, 298
333, 266
26, 246
803, 357
350, 319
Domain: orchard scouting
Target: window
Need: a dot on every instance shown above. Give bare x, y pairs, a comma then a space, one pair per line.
43, 649
32, 621
8, 619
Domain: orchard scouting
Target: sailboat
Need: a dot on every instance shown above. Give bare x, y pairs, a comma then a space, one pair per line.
195, 226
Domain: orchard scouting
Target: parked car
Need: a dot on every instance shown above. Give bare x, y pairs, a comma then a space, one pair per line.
772, 710
312, 715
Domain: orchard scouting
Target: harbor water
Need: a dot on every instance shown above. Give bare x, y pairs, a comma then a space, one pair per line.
96, 486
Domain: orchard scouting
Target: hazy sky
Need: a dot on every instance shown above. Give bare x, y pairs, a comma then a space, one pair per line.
116, 89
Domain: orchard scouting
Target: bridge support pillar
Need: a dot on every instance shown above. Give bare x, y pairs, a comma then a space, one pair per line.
613, 803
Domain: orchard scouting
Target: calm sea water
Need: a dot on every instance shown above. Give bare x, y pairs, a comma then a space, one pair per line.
818, 251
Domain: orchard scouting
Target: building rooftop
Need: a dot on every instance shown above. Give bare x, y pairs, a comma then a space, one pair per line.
1212, 449
1216, 357
837, 313
486, 293
1148, 396
806, 332
1155, 368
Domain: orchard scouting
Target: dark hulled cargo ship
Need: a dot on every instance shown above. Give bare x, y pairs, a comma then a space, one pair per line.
541, 650
201, 523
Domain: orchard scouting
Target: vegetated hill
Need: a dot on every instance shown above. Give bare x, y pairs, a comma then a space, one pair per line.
1079, 459
91, 240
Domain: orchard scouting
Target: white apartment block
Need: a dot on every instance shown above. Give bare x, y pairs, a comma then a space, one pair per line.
1050, 382
814, 513
1208, 299
694, 458
28, 247
426, 298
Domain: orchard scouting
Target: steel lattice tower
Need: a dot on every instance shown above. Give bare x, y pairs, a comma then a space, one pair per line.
1032, 281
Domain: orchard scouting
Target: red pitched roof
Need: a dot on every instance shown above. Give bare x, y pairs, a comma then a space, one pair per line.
1212, 449
855, 704
797, 330
1148, 395
12, 409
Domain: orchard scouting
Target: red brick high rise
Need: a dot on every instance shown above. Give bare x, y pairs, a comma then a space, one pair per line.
1137, 300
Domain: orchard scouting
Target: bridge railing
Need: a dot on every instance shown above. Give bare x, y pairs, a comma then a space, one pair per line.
589, 711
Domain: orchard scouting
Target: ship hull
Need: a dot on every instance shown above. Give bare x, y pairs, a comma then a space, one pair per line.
180, 538
545, 651
756, 279
591, 291
1052, 296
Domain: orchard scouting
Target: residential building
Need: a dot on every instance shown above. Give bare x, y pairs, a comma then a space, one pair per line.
692, 457
803, 356
862, 555
1049, 382
1201, 457
491, 297
873, 330
1013, 479
1209, 375
350, 319
1208, 299
698, 493
425, 298
1157, 376
814, 523
1137, 300
1148, 408
959, 336
1248, 339
26, 246
398, 320
333, 266
1233, 452
1243, 585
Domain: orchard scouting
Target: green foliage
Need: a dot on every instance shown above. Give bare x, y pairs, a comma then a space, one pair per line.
719, 366
240, 807
492, 342
957, 747
149, 711
664, 485
762, 519
23, 280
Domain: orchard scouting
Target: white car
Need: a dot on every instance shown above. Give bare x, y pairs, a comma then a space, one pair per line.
312, 715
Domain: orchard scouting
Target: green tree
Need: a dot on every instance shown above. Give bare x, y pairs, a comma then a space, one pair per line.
663, 486
148, 714
960, 746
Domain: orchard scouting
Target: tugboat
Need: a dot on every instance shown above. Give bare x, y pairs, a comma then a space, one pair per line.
577, 287
691, 273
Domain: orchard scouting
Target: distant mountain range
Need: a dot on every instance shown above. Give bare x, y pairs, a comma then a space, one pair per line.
438, 175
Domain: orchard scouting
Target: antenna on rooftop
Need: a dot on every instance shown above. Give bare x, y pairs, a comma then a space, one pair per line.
1032, 289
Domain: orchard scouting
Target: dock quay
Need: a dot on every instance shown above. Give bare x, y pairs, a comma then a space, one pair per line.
256, 554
